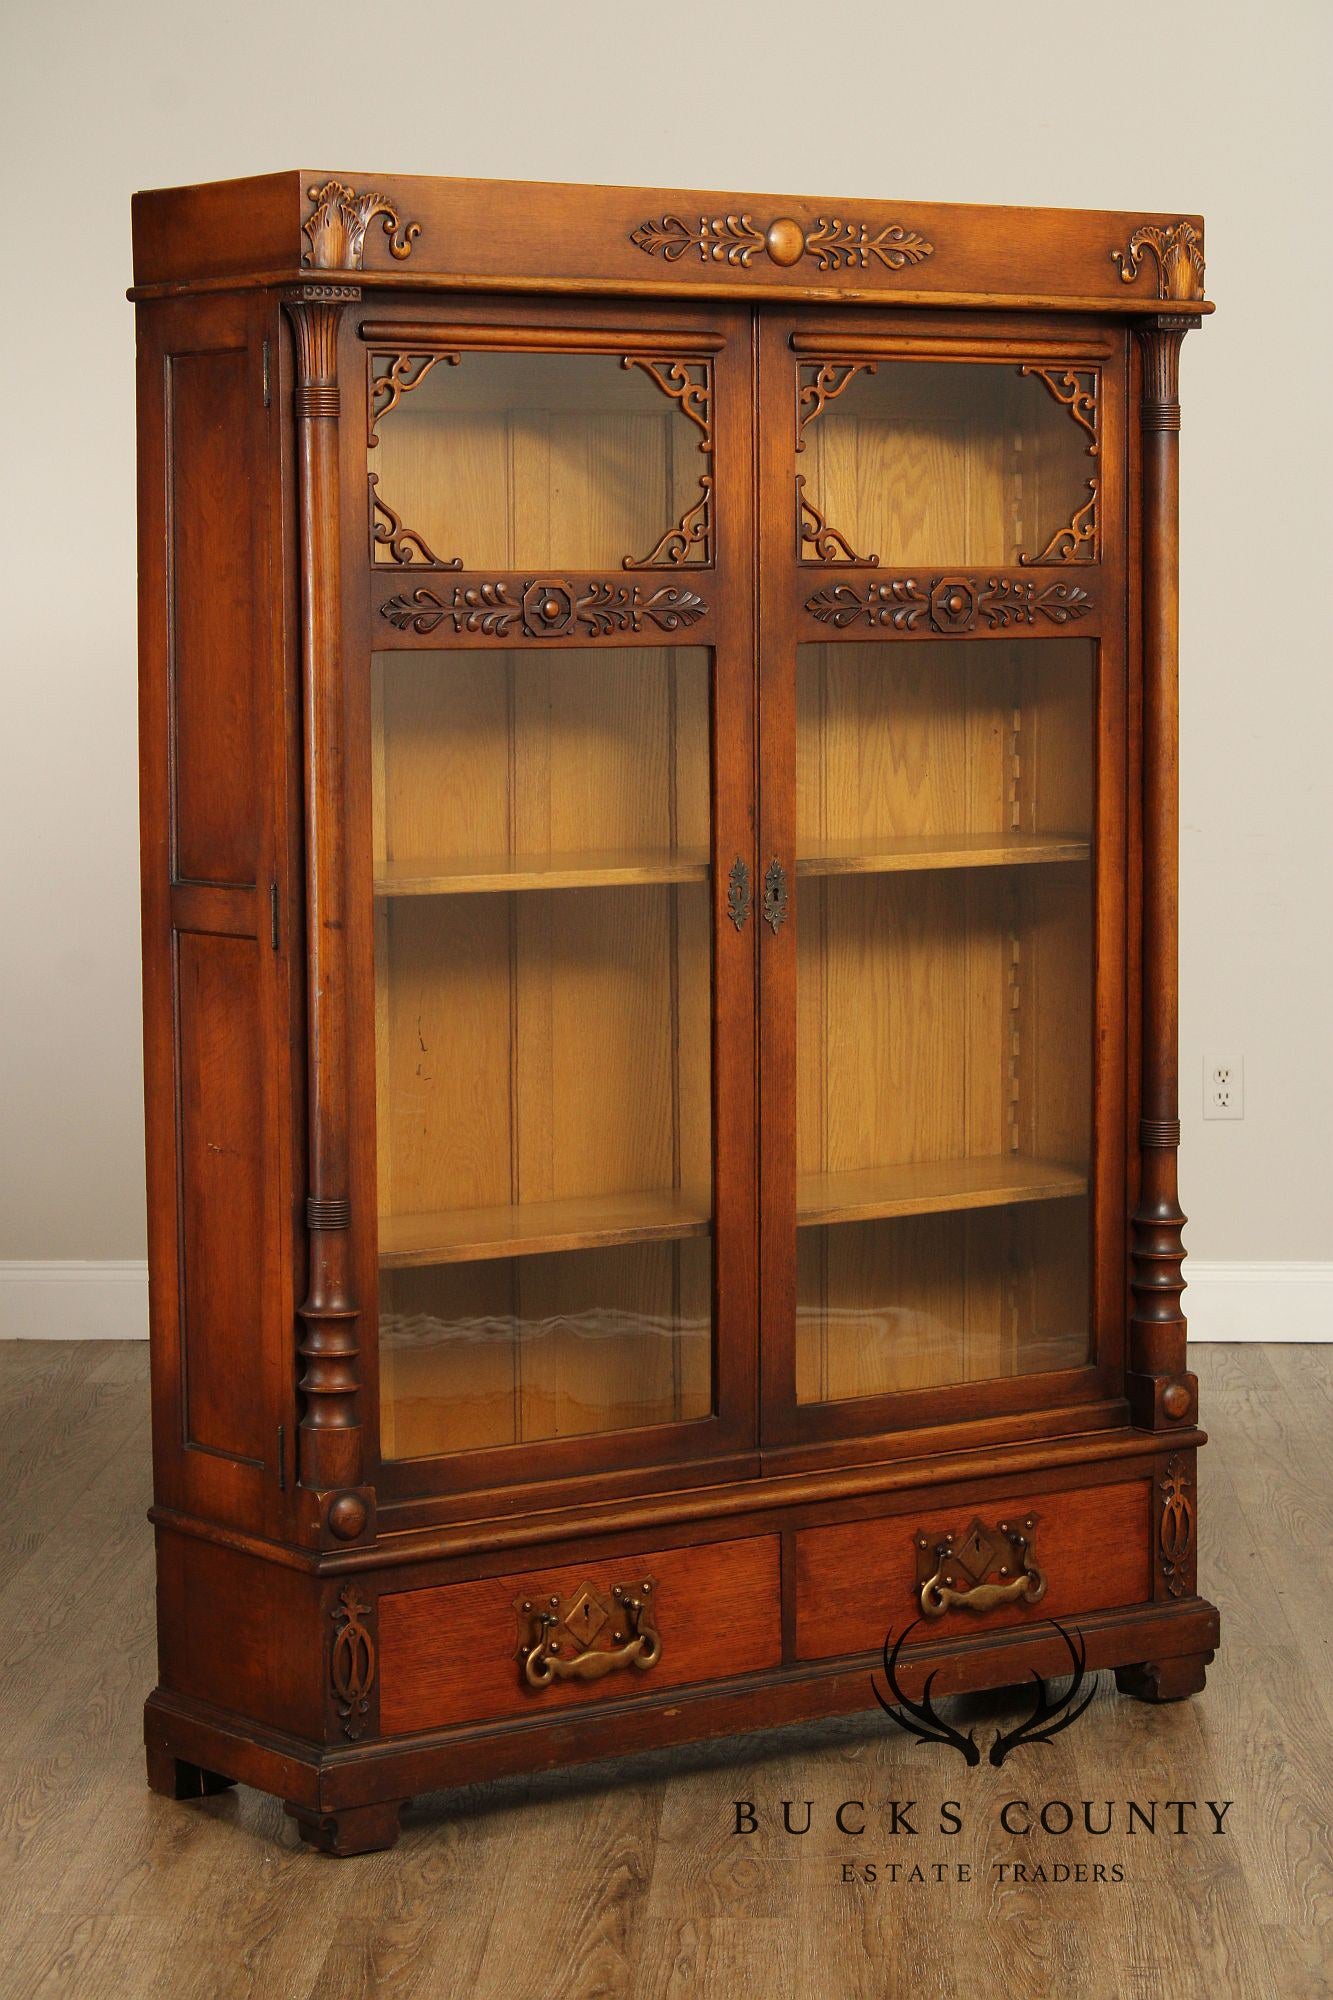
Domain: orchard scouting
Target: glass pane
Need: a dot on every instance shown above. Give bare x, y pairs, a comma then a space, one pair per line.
543, 981
510, 461
947, 463
944, 969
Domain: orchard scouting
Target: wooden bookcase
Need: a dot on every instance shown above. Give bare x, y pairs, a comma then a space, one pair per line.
659, 740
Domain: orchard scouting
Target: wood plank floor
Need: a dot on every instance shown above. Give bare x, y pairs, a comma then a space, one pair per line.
627, 1879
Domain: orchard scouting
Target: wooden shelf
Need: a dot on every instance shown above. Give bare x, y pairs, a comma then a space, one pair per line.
528, 1229
904, 852
932, 1187
484, 874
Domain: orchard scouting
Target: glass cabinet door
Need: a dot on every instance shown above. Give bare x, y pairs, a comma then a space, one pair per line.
935, 530
556, 541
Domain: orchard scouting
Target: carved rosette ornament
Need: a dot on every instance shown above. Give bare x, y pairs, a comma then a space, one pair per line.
1177, 252
337, 227
834, 243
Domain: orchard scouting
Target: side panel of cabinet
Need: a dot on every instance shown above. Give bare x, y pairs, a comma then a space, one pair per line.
216, 914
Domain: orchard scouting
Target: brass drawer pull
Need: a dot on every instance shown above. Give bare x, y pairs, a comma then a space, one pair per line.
556, 1638
938, 1597
953, 1572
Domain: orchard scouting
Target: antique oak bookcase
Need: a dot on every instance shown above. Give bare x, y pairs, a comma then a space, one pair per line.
659, 888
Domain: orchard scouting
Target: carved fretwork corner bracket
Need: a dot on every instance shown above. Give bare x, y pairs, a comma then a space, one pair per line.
337, 227
1159, 344
1177, 252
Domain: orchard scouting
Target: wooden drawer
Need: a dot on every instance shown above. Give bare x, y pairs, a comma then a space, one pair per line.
455, 1654
858, 1580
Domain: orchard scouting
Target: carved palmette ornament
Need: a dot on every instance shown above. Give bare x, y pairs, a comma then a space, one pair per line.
1177, 253
337, 228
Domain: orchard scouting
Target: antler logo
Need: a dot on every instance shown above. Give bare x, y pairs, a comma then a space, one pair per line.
920, 1720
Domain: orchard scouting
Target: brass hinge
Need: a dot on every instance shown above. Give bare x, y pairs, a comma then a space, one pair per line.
273, 914
267, 387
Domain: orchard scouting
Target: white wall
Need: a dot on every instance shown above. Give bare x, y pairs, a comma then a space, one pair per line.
1200, 106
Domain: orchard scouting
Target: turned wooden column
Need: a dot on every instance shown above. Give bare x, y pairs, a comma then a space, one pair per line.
1162, 1395
330, 1434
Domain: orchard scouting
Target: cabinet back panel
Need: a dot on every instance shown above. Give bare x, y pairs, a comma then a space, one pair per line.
532, 1046
533, 754
217, 805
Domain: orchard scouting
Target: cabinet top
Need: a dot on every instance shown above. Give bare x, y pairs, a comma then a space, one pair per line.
542, 236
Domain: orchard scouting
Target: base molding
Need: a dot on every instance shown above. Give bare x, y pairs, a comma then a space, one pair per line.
107, 1299
1227, 1301
74, 1299
1165, 1640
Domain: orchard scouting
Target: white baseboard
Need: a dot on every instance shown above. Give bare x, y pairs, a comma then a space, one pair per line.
69, 1299
1278, 1301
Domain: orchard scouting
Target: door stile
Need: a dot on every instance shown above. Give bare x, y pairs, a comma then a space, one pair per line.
776, 640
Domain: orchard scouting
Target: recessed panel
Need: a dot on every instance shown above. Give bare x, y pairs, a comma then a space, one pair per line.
216, 801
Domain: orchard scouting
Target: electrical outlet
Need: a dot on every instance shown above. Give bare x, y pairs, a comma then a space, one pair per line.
1224, 1086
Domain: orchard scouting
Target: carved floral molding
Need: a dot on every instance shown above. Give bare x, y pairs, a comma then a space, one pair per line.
547, 608
337, 228
833, 242
949, 604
